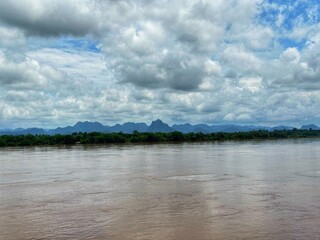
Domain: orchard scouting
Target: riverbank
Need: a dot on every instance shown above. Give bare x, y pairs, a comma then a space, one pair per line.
147, 137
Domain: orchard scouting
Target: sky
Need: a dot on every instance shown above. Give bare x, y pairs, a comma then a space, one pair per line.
247, 62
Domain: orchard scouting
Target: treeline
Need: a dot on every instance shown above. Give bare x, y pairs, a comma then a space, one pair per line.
147, 137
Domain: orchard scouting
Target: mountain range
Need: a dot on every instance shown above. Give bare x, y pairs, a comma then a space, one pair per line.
155, 126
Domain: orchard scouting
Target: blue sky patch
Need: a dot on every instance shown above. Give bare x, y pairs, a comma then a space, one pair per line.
77, 44
289, 42
285, 15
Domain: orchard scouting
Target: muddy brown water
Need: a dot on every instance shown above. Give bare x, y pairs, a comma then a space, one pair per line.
229, 190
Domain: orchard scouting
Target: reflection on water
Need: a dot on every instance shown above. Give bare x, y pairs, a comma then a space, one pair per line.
232, 190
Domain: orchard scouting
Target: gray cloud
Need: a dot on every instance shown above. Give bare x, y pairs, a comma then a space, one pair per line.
169, 71
23, 73
50, 17
11, 38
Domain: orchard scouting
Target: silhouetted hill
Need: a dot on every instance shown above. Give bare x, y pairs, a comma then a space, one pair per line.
310, 126
89, 127
184, 128
22, 131
159, 126
80, 127
281, 128
156, 126
204, 128
61, 130
128, 127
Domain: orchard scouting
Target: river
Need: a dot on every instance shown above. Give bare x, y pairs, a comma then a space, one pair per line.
190, 191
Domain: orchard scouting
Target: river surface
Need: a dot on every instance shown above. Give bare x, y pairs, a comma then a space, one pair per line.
229, 190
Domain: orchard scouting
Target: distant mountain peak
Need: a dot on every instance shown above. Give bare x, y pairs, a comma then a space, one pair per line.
310, 126
87, 123
282, 127
159, 126
128, 127
158, 121
156, 126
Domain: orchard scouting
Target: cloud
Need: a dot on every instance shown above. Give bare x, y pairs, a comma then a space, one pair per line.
295, 71
167, 71
241, 60
11, 38
50, 17
290, 55
90, 65
170, 49
248, 61
24, 73
35, 91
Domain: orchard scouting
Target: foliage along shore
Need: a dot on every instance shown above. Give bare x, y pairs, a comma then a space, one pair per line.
146, 137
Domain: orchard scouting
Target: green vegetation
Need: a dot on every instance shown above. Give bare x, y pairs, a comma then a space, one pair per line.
137, 137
